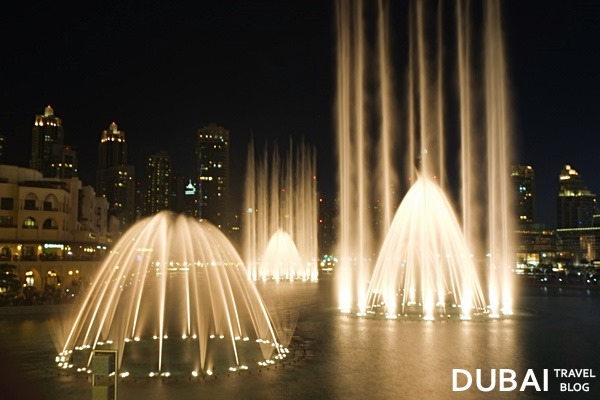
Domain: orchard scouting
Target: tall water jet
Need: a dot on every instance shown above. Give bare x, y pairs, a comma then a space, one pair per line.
501, 249
388, 180
281, 201
353, 145
484, 192
174, 299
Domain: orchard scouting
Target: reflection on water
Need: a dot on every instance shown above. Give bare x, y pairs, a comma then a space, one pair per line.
354, 358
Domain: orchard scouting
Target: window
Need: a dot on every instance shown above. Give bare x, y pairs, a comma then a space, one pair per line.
29, 223
7, 203
50, 203
29, 204
6, 222
29, 279
49, 224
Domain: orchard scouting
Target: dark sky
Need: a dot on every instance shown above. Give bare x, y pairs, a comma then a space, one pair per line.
162, 69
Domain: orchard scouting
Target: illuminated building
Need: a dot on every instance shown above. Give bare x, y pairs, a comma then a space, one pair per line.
184, 196
49, 154
158, 180
53, 230
115, 179
212, 161
576, 203
576, 234
523, 179
2, 148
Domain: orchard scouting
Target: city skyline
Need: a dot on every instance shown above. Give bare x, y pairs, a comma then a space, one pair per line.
265, 69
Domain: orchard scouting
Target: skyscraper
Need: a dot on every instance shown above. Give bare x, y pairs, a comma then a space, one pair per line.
2, 149
184, 196
523, 179
577, 237
212, 161
49, 154
115, 179
576, 203
158, 180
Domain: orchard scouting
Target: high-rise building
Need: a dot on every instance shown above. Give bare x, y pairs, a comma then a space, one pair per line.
523, 179
212, 161
534, 243
577, 237
576, 203
184, 196
115, 179
158, 180
49, 154
64, 163
2, 149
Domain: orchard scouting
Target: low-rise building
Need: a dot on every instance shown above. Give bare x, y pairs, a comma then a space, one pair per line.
53, 230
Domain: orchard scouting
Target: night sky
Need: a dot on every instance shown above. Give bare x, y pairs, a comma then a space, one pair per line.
162, 69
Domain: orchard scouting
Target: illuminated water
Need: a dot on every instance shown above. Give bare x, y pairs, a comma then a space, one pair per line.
171, 286
280, 215
412, 147
353, 358
425, 267
281, 260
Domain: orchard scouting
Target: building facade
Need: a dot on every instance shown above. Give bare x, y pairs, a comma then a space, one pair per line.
212, 161
576, 203
578, 236
2, 149
50, 226
184, 196
523, 180
49, 154
158, 183
115, 178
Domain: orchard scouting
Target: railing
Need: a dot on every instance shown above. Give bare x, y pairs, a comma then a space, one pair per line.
52, 257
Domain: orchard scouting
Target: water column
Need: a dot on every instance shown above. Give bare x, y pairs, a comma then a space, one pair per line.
388, 179
249, 222
439, 99
470, 172
355, 223
344, 275
364, 231
498, 166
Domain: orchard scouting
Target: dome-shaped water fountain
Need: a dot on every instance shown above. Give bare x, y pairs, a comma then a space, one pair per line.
281, 260
425, 267
174, 298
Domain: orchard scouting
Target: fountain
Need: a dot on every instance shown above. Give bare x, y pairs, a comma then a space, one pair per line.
280, 222
174, 298
422, 269
281, 260
433, 256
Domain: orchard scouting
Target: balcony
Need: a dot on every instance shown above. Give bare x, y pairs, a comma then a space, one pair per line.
7, 225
